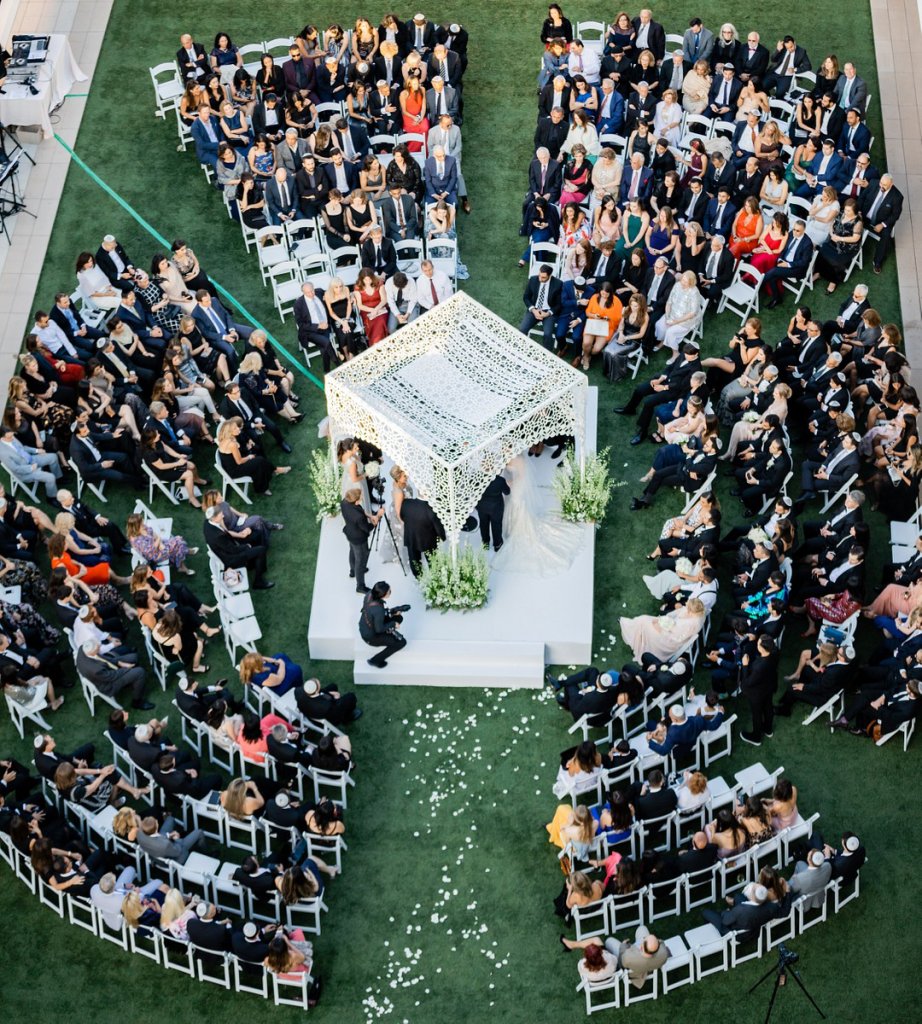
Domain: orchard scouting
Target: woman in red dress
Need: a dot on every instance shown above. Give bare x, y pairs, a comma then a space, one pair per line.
773, 240
372, 303
413, 108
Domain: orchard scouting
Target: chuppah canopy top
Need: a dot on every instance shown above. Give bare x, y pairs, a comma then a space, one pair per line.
451, 398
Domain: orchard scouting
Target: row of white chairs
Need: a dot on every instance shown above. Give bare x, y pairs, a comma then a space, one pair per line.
703, 950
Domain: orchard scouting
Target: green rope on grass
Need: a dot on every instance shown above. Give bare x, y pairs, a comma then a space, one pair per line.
154, 233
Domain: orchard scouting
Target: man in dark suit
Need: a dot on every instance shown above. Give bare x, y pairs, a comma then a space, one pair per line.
110, 676
207, 932
47, 759
441, 177
863, 177
699, 856
764, 477
720, 214
326, 703
259, 880
441, 99
250, 945
137, 316
825, 683
311, 186
217, 328
725, 90
832, 117
455, 39
401, 217
752, 59
341, 174
114, 262
445, 64
384, 109
314, 325
666, 387
542, 304
95, 465
888, 706
748, 914
758, 682
195, 703
650, 35
881, 210
694, 203
826, 168
191, 59
682, 732
206, 133
379, 253
422, 531
748, 182
690, 475
717, 271
545, 178
240, 401
358, 526
234, 552
330, 81
352, 139
720, 172
419, 35
589, 692
281, 198
267, 118
551, 132
81, 336
657, 288
841, 465
743, 143
636, 182
555, 95
299, 74
791, 266
854, 138
654, 798
490, 512
789, 60
641, 106
672, 72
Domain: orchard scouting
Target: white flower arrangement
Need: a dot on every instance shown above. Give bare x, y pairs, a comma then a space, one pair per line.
326, 483
372, 470
462, 586
751, 417
584, 495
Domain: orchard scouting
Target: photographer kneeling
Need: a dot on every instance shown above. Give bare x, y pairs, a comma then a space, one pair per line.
377, 624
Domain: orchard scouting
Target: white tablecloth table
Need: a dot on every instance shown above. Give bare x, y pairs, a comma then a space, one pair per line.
54, 79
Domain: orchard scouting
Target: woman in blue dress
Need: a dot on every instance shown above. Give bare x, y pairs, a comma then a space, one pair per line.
278, 673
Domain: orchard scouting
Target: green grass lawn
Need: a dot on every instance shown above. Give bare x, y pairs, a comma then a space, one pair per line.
444, 910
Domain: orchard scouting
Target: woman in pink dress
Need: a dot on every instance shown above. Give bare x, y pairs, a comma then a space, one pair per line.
773, 240
664, 636
372, 303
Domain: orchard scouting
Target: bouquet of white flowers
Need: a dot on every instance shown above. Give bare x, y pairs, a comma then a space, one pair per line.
751, 416
584, 495
460, 586
372, 470
326, 483
679, 438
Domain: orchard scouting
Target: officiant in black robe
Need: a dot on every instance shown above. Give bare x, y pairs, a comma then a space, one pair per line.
490, 510
422, 531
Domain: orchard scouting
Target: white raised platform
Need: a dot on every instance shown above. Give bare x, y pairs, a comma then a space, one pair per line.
530, 620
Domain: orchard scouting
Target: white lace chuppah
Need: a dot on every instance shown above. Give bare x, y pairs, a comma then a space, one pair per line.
452, 398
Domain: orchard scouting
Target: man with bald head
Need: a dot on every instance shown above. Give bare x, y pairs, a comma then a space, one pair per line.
881, 208
641, 957
191, 58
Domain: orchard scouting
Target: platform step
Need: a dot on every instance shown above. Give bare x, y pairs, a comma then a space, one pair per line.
515, 665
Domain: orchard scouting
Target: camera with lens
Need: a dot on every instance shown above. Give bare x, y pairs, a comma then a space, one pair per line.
400, 609
787, 957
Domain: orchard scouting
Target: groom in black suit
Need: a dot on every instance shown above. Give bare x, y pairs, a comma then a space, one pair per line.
490, 510
358, 526
422, 531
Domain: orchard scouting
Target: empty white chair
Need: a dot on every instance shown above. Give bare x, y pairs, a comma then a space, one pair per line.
31, 711
168, 87
255, 51
741, 296
345, 263
679, 969
285, 281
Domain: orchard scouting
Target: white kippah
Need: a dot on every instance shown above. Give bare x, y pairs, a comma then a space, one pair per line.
851, 844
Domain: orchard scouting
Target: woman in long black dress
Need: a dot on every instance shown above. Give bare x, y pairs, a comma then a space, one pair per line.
169, 466
236, 465
338, 300
335, 229
837, 252
270, 78
403, 172
250, 203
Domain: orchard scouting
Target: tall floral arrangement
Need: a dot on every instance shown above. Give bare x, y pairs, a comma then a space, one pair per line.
460, 586
584, 494
325, 477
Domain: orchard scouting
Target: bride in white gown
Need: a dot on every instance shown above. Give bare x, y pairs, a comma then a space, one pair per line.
535, 539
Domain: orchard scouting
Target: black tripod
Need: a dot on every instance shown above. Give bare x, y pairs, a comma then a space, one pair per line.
376, 535
9, 133
10, 199
786, 959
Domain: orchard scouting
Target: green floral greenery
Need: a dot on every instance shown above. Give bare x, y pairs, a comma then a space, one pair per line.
326, 483
584, 495
462, 586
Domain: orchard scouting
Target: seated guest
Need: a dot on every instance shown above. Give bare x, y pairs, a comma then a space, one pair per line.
279, 673
326, 703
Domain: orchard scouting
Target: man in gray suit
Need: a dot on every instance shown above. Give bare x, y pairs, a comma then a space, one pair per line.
166, 843
641, 957
110, 676
811, 878
290, 152
746, 915
448, 135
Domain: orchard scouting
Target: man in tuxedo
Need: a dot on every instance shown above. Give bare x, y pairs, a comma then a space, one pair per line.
672, 72
110, 676
650, 34
91, 522
236, 552
851, 311
422, 531
840, 465
689, 475
697, 42
717, 272
419, 35
792, 264
551, 132
825, 683
191, 59
555, 95
764, 477
587, 693
724, 93
341, 174
267, 118
195, 701
441, 99
384, 109
789, 60
666, 387
93, 465
636, 182
832, 118
610, 117
432, 286
379, 253
719, 215
888, 706
854, 138
490, 512
281, 198
114, 262
358, 526
400, 292
130, 376
401, 217
311, 187
441, 177
206, 135
881, 209
542, 304
299, 74
617, 67
752, 59
851, 91
240, 401
694, 203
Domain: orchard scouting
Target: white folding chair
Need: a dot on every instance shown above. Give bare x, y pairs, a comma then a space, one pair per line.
285, 281
240, 484
304, 238
279, 47
616, 142
91, 694
271, 249
545, 253
31, 711
649, 989
118, 937
840, 494
906, 729
382, 144
170, 488
845, 891
744, 946
741, 296
81, 912
833, 708
168, 87
315, 269
305, 914
288, 990
228, 895
664, 899
414, 139
146, 942
718, 743
409, 254
250, 977
797, 287
700, 888
17, 484
176, 955
710, 949
592, 919
679, 969
339, 782
345, 263
97, 489
328, 112
781, 929
602, 995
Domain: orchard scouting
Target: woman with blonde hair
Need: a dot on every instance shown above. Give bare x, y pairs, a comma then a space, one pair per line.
401, 489
278, 673
242, 799
338, 300
150, 546
348, 455
141, 908
695, 88
822, 215
176, 914
746, 430
574, 826
235, 464
664, 636
270, 395
126, 824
